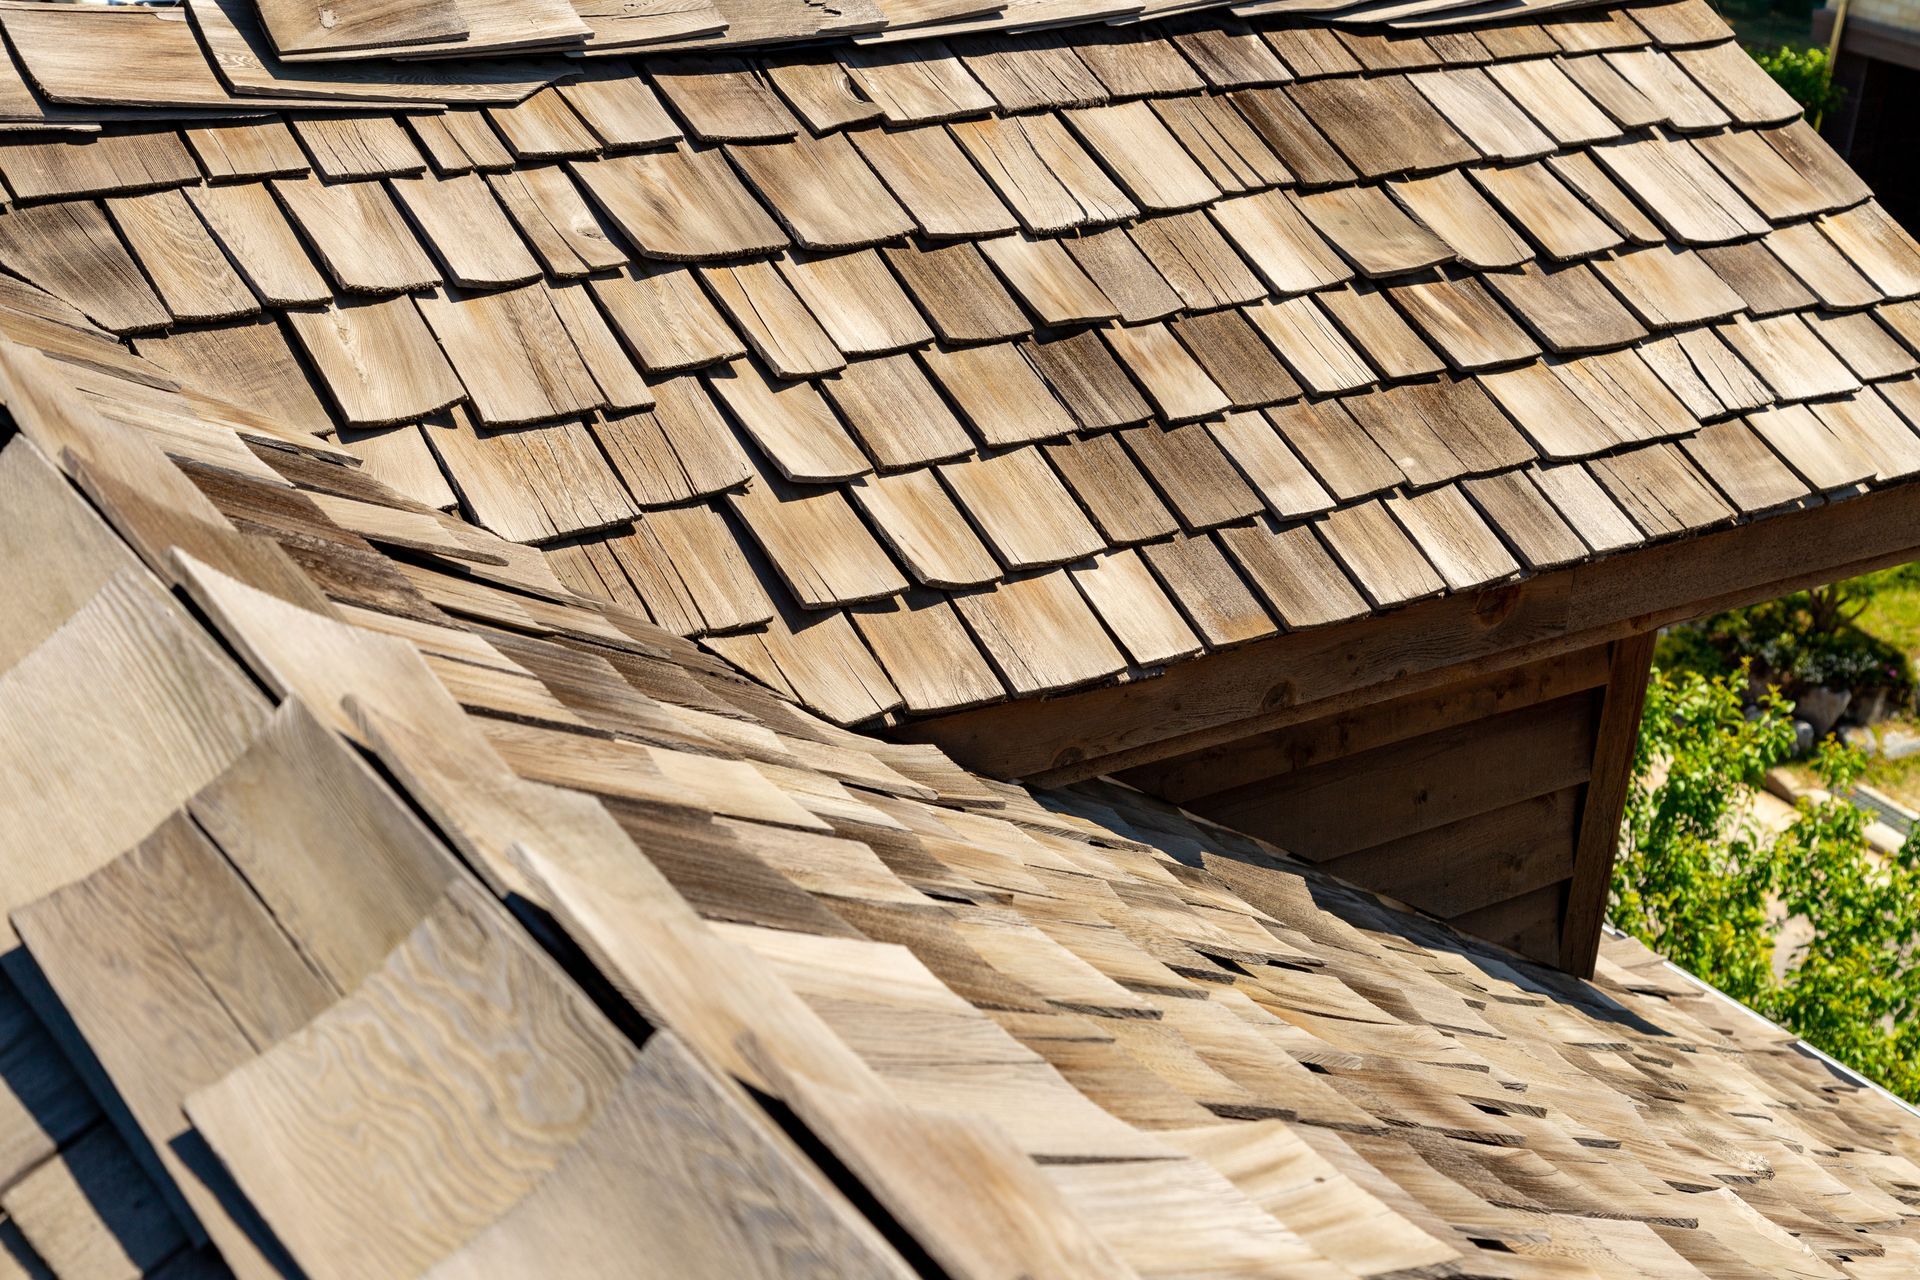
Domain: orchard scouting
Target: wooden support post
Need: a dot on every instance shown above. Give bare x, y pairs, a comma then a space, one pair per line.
1630, 665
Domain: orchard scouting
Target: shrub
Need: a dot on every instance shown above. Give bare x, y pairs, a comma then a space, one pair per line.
1806, 75
1698, 881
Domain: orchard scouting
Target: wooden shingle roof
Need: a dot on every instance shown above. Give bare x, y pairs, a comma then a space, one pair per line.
942, 371
376, 905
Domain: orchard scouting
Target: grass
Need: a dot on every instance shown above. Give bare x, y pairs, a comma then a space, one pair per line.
1893, 612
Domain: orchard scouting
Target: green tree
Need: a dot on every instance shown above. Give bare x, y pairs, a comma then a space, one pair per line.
1699, 882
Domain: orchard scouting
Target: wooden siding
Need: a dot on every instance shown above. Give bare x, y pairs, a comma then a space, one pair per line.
1474, 802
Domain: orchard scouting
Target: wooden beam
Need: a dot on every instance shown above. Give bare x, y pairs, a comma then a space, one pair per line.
1186, 780
1399, 790
1605, 803
1305, 675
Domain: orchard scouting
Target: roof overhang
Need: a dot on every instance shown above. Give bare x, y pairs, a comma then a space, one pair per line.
1304, 675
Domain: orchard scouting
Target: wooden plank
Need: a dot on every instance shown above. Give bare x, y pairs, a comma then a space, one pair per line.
1578, 100
622, 110
1464, 323
1021, 508
1336, 447
919, 521
926, 172
91, 1211
819, 546
1045, 177
193, 278
1282, 246
1135, 609
51, 526
639, 933
1488, 118
1049, 280
1230, 695
1466, 866
1684, 193
1751, 475
1382, 125
568, 236
400, 459
1148, 160
893, 409
1286, 487
1285, 128
345, 867
1456, 211
822, 93
250, 226
962, 298
1661, 490
1107, 481
71, 251
1375, 234
1222, 142
1294, 573
1187, 465
1315, 742
692, 551
822, 192
1590, 183
723, 99
533, 484
1454, 538
725, 1192
918, 85
665, 319
1082, 371
1312, 346
1567, 308
543, 127
1117, 267
362, 240
346, 147
927, 653
248, 364
378, 361
1833, 277
1543, 206
790, 422
1209, 590
681, 205
857, 301
1630, 665
1377, 552
1418, 784
513, 354
175, 974
1039, 633
1540, 536
111, 164
467, 231
298, 27
775, 323
79, 799
512, 1120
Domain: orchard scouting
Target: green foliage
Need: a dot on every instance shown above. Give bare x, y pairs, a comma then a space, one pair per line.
1799, 641
1805, 73
1700, 883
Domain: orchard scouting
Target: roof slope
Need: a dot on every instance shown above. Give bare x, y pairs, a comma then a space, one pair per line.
377, 905
929, 375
